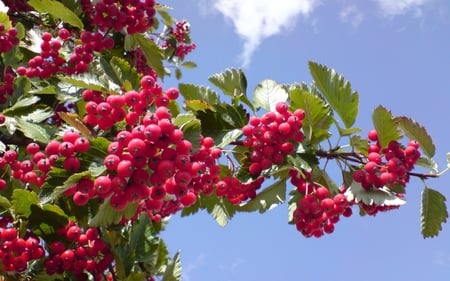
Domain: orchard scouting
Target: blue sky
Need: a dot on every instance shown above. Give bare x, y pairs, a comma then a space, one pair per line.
395, 53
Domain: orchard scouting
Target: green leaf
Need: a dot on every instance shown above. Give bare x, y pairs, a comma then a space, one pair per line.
39, 115
12, 57
417, 132
152, 53
22, 102
230, 81
385, 125
448, 160
33, 131
233, 83
4, 203
173, 269
136, 276
218, 124
71, 180
22, 201
201, 93
4, 19
58, 10
268, 93
380, 196
318, 117
189, 64
106, 215
84, 81
337, 91
267, 199
192, 132
433, 212
125, 73
229, 137
46, 220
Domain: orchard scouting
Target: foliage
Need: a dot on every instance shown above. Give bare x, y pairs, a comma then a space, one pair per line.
96, 154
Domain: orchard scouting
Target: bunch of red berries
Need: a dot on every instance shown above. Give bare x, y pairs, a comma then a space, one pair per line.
7, 85
272, 136
134, 16
387, 166
182, 43
85, 252
317, 210
49, 61
236, 191
8, 38
17, 252
35, 169
104, 112
16, 6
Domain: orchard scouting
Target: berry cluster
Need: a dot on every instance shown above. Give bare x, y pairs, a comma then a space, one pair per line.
84, 251
50, 61
17, 6
317, 210
236, 191
17, 252
105, 112
135, 16
179, 39
272, 136
139, 61
35, 169
7, 85
388, 166
8, 38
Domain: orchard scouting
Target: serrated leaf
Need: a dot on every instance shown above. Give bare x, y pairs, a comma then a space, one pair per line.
337, 91
22, 102
39, 115
268, 93
229, 81
379, 196
428, 163
71, 180
433, 212
385, 125
58, 10
229, 137
173, 269
84, 81
126, 73
33, 131
22, 201
197, 92
417, 132
318, 117
152, 53
267, 199
47, 219
12, 57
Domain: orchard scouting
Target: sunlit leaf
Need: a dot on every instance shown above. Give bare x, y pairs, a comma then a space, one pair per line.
318, 117
22, 201
125, 73
433, 212
39, 115
201, 93
417, 132
173, 269
58, 10
4, 203
385, 125
33, 131
268, 93
379, 196
189, 64
152, 53
267, 199
23, 102
75, 121
106, 215
337, 91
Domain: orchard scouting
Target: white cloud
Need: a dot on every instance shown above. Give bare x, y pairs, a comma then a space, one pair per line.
352, 15
256, 20
400, 7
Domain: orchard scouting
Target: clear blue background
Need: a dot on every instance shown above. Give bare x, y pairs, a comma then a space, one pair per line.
397, 58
